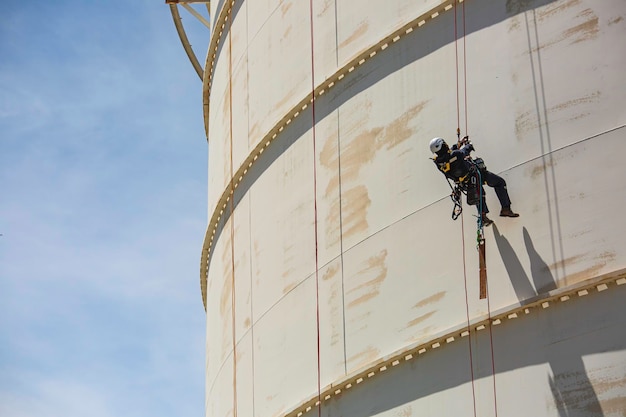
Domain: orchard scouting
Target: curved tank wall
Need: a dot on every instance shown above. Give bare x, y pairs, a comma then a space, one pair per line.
334, 280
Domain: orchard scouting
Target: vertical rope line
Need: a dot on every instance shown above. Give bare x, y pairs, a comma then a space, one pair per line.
232, 210
469, 330
464, 68
493, 366
493, 362
456, 68
317, 288
458, 117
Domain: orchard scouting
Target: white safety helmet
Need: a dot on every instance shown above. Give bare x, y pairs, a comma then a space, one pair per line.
436, 144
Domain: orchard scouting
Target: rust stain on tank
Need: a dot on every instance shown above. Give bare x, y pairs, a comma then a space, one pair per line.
247, 322
554, 9
363, 147
420, 319
365, 356
398, 130
601, 261
525, 122
331, 272
227, 288
429, 300
407, 411
355, 203
586, 30
359, 151
360, 31
285, 6
563, 263
540, 169
616, 20
583, 391
370, 288
591, 98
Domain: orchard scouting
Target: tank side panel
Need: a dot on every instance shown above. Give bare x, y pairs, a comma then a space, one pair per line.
259, 12
328, 186
282, 221
219, 129
397, 290
546, 75
361, 24
389, 111
219, 307
285, 352
280, 54
325, 39
548, 250
241, 141
245, 376
243, 274
331, 322
221, 393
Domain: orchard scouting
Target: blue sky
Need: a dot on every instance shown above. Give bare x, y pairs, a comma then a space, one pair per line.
102, 211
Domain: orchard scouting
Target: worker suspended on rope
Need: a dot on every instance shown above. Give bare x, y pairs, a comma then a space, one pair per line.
469, 175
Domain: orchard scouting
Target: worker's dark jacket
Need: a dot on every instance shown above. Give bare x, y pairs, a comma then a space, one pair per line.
453, 164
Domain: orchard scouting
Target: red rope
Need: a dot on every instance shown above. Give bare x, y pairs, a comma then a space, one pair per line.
464, 69
469, 332
458, 117
317, 288
493, 363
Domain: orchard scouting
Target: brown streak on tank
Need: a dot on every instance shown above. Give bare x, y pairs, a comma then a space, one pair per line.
524, 122
360, 31
285, 6
359, 151
398, 130
616, 20
581, 32
331, 272
365, 356
593, 97
225, 296
540, 169
407, 411
555, 9
590, 272
376, 265
332, 230
287, 99
432, 299
420, 319
586, 30
355, 203
563, 263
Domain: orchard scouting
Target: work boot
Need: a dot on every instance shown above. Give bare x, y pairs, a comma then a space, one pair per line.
486, 220
507, 212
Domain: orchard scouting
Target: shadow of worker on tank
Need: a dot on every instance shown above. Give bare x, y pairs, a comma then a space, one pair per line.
540, 272
570, 385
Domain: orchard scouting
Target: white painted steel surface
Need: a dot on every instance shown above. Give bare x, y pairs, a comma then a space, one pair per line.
346, 274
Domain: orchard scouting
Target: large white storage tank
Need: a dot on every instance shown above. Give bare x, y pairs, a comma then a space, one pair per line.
335, 282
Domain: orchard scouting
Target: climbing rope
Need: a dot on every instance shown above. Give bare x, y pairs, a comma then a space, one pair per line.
456, 197
480, 237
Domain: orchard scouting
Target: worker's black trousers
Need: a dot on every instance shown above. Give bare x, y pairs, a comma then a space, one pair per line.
498, 183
